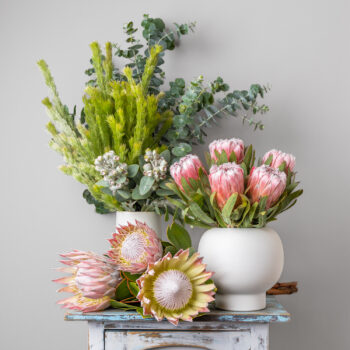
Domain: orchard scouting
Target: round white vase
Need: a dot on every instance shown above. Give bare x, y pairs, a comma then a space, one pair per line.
151, 219
246, 263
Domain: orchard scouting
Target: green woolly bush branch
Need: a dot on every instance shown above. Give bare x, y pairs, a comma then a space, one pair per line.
119, 116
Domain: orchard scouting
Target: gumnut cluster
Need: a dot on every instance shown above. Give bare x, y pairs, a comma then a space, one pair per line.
113, 171
156, 166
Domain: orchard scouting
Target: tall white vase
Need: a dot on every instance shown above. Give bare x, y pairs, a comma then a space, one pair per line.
152, 219
246, 261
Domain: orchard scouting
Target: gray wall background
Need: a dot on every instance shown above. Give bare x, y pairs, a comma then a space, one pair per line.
301, 48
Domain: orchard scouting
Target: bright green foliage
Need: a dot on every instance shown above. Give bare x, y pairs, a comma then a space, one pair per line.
196, 105
118, 115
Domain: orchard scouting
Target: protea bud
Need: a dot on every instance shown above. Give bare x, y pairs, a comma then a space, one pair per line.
134, 247
226, 179
266, 181
278, 157
93, 281
228, 146
176, 288
187, 167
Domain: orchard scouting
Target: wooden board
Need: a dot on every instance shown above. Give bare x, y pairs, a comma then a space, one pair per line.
273, 313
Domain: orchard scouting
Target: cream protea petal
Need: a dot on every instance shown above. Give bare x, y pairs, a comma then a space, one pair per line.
134, 247
169, 290
93, 281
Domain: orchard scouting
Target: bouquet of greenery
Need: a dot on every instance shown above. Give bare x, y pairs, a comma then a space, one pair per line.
129, 131
234, 192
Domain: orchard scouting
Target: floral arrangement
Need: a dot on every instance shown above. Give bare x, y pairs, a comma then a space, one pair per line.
234, 192
130, 130
159, 279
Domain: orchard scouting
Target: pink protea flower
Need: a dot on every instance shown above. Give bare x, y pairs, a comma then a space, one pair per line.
134, 247
187, 167
266, 181
93, 281
225, 180
175, 288
278, 157
228, 146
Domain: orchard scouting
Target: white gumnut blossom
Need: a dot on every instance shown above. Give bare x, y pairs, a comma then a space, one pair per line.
156, 166
113, 171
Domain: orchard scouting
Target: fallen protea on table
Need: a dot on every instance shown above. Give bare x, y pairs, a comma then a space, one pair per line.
140, 272
234, 192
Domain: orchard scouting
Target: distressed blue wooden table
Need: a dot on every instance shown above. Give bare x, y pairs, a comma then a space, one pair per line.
127, 330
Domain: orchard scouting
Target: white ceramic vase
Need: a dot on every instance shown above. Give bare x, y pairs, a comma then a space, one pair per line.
152, 219
246, 261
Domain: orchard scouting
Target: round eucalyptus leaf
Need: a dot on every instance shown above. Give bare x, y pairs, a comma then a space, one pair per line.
146, 184
181, 150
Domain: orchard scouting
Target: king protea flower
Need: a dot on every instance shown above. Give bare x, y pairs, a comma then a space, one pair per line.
175, 288
266, 181
134, 247
278, 158
93, 281
228, 146
226, 179
187, 167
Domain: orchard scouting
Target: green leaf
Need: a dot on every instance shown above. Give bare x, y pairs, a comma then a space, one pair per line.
132, 170
248, 156
135, 195
196, 223
245, 170
125, 195
227, 209
122, 291
219, 218
166, 155
106, 190
170, 249
102, 183
187, 188
146, 184
176, 202
282, 166
208, 159
140, 311
232, 157
200, 214
164, 184
269, 160
178, 236
118, 305
181, 149
132, 276
163, 193
134, 289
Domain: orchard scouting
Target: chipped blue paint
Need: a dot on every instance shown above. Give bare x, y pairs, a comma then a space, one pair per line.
273, 313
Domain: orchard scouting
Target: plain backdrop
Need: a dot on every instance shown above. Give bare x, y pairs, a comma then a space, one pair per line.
300, 48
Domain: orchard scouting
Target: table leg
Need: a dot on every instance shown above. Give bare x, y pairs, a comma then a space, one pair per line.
96, 336
260, 336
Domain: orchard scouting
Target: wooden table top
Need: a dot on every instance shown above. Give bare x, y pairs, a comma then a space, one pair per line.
273, 313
